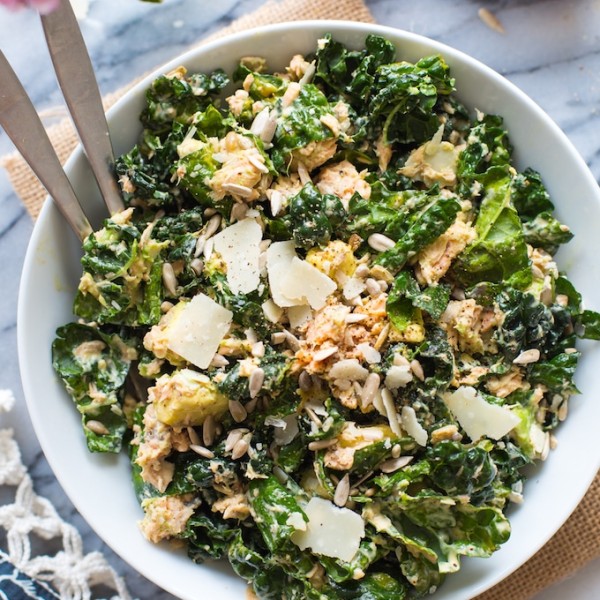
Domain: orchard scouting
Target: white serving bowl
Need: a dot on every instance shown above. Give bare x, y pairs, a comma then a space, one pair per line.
100, 486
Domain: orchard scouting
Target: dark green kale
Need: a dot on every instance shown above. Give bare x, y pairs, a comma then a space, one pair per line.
405, 296
487, 146
178, 98
300, 125
386, 211
273, 505
145, 171
312, 218
425, 227
93, 366
532, 202
405, 97
351, 73
461, 469
122, 279
499, 252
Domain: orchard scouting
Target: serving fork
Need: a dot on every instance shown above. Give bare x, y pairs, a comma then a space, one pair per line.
19, 118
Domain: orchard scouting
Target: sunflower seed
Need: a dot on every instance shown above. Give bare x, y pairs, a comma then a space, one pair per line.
238, 212
258, 163
380, 242
396, 450
356, 318
197, 265
169, 279
166, 306
194, 437
278, 338
305, 382
292, 341
291, 93
200, 242
308, 74
491, 20
260, 123
209, 212
321, 444
240, 448
373, 287
417, 369
218, 361
238, 412
250, 406
202, 451
276, 200
393, 464
208, 248
563, 410
382, 337
255, 382
313, 416
303, 174
97, 427
342, 491
325, 353
280, 474
234, 436
361, 271
370, 389
236, 189
212, 226
527, 357
208, 430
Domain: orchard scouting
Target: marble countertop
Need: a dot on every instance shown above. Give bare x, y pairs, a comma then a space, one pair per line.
550, 49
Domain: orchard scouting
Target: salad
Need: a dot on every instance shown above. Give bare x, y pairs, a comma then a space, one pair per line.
328, 327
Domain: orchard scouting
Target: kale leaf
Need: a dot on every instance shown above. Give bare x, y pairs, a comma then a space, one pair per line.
499, 253
93, 366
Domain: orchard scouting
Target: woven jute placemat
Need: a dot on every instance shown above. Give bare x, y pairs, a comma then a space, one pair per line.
578, 541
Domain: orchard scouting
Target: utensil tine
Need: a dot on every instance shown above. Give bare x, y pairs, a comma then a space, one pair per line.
22, 124
76, 78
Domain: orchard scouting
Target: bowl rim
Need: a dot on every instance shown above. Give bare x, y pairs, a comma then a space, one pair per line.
189, 55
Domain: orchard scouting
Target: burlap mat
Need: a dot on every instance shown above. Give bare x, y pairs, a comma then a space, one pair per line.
578, 541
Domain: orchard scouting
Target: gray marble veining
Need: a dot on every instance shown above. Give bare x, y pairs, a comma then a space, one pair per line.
550, 49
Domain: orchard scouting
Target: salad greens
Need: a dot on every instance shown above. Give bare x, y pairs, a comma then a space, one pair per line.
328, 328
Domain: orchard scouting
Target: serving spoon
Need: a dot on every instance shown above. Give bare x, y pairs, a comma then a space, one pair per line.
22, 124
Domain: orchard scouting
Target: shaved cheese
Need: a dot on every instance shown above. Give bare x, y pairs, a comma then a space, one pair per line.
411, 425
330, 531
239, 247
478, 417
306, 282
279, 260
295, 282
299, 315
198, 330
272, 312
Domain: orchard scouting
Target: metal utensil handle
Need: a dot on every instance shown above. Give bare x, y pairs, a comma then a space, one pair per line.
76, 78
22, 124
